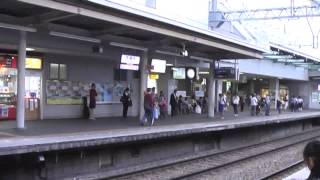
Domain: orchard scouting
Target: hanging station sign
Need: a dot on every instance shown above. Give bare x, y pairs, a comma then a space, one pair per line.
33, 63
154, 76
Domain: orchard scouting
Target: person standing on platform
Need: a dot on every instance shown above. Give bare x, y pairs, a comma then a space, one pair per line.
126, 102
242, 103
162, 105
311, 156
173, 102
291, 103
295, 103
148, 105
253, 104
153, 95
286, 102
92, 103
267, 105
222, 105
300, 103
279, 104
235, 104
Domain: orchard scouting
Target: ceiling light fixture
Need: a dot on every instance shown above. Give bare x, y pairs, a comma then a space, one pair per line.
76, 37
168, 53
17, 27
29, 49
129, 46
203, 72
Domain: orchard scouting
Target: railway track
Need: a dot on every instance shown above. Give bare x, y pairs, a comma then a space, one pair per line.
286, 171
209, 166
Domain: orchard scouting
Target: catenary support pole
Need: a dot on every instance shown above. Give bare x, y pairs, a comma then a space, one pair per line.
143, 81
21, 80
211, 92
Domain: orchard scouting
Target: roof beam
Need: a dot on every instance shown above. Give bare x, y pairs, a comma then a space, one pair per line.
17, 27
199, 36
46, 17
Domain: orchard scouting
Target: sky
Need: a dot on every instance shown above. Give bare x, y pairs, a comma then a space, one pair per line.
295, 33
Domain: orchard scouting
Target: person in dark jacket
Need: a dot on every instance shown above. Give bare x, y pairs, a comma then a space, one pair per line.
148, 105
174, 103
126, 102
242, 103
92, 104
311, 155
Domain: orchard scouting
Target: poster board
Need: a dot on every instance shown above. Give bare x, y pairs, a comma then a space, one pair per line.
71, 92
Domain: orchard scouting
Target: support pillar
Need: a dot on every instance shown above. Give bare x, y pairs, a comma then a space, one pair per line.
219, 84
143, 81
275, 90
211, 92
251, 86
21, 80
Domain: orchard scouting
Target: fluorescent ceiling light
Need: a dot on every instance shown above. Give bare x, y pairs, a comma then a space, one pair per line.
30, 49
278, 56
203, 72
169, 64
168, 53
290, 60
302, 63
72, 36
17, 27
128, 46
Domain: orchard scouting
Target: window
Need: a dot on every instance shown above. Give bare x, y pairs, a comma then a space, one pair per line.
58, 71
63, 71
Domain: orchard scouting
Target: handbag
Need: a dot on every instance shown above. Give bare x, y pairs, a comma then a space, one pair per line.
198, 109
129, 102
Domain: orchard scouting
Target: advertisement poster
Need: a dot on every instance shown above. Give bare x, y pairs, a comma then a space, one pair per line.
71, 92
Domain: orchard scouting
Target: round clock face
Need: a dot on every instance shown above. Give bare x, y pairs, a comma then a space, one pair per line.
191, 73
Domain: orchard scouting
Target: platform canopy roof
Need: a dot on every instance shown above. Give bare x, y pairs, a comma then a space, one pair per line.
283, 54
111, 24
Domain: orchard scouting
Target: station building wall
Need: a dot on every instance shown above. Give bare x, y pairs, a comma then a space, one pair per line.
83, 65
82, 69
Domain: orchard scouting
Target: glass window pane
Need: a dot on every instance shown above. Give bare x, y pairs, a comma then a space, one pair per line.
54, 71
63, 72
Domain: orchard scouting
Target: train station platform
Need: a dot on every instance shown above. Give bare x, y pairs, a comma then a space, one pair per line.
61, 134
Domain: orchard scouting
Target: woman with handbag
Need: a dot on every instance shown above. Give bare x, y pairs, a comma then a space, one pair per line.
162, 105
126, 102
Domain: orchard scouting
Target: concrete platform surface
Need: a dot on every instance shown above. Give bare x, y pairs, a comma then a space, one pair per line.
48, 135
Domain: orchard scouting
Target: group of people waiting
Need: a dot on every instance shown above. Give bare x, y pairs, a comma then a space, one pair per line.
155, 106
257, 104
185, 105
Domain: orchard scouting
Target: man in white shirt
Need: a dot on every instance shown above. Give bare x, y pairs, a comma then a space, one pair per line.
235, 104
253, 104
